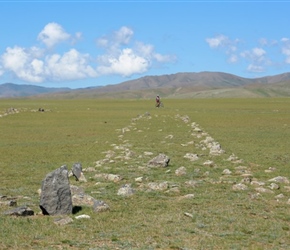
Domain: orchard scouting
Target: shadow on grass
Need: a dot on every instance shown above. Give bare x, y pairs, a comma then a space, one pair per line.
76, 209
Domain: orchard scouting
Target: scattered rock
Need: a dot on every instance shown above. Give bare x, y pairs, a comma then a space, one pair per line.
232, 158
216, 149
240, 186
264, 190
187, 196
126, 190
159, 161
280, 179
82, 216
280, 196
139, 179
191, 157
20, 211
9, 203
100, 206
180, 171
257, 183
209, 163
148, 153
79, 198
274, 186
63, 221
77, 170
188, 215
226, 172
113, 177
270, 170
192, 183
158, 186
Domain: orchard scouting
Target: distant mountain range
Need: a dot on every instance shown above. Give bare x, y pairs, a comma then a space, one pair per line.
10, 90
179, 85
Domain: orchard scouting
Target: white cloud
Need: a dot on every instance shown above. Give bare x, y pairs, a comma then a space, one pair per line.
128, 63
21, 62
257, 58
224, 43
117, 39
26, 66
255, 68
122, 56
123, 35
71, 66
125, 60
218, 41
53, 34
256, 54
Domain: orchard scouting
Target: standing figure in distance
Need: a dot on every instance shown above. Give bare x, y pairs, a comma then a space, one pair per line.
157, 105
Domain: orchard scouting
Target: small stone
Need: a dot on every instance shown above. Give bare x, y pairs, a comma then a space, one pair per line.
274, 186
180, 171
100, 206
188, 215
139, 179
63, 221
126, 190
227, 172
83, 216
240, 186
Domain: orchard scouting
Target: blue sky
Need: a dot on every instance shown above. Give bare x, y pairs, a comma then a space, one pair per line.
78, 44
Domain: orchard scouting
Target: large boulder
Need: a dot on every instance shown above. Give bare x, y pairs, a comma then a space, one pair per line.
55, 193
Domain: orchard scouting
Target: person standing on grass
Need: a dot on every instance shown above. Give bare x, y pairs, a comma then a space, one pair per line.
157, 101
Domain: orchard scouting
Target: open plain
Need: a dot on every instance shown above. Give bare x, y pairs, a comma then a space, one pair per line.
226, 185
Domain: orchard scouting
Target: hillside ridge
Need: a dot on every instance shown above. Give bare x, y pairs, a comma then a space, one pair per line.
179, 85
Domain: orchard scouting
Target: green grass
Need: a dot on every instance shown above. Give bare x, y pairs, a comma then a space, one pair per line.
257, 131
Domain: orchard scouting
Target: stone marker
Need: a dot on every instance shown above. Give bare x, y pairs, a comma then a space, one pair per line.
55, 193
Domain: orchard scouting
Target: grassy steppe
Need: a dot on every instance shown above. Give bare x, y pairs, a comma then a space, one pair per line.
257, 131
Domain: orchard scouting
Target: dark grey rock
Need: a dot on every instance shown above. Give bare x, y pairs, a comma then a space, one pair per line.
77, 170
55, 193
20, 211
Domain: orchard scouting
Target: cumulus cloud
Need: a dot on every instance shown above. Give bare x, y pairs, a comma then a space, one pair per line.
121, 56
33, 66
126, 64
23, 63
70, 66
125, 60
53, 34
